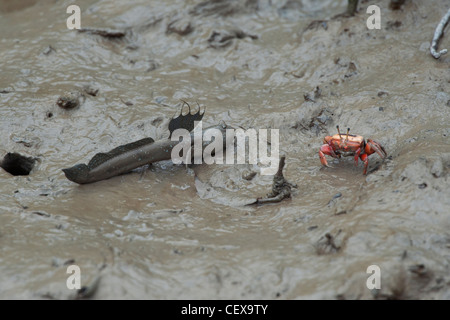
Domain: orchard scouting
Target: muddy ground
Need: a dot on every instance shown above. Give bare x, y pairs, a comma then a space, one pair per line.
171, 232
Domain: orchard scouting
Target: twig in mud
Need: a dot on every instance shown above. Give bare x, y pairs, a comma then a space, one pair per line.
281, 188
437, 35
106, 33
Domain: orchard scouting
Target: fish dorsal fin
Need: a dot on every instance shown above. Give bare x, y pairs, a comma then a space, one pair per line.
186, 121
100, 158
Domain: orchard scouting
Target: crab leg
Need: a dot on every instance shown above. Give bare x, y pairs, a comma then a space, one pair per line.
377, 147
357, 153
365, 158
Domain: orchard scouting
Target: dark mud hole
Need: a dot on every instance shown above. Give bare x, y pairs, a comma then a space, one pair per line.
17, 164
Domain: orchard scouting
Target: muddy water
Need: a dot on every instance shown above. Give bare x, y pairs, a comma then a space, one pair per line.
175, 232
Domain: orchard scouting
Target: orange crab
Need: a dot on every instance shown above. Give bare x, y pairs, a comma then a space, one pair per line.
350, 145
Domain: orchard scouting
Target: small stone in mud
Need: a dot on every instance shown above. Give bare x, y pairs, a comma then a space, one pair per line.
381, 109
352, 70
316, 24
157, 121
17, 164
298, 75
393, 25
422, 185
55, 262
312, 228
69, 262
132, 46
224, 38
49, 114
152, 65
69, 102
307, 97
382, 94
314, 95
90, 91
44, 192
317, 92
48, 50
220, 40
418, 269
323, 118
179, 26
437, 168
176, 251
248, 175
24, 141
337, 195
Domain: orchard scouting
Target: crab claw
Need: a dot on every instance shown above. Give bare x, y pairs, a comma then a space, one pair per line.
325, 149
323, 160
373, 146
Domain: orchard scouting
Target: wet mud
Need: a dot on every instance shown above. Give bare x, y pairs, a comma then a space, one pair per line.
170, 231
